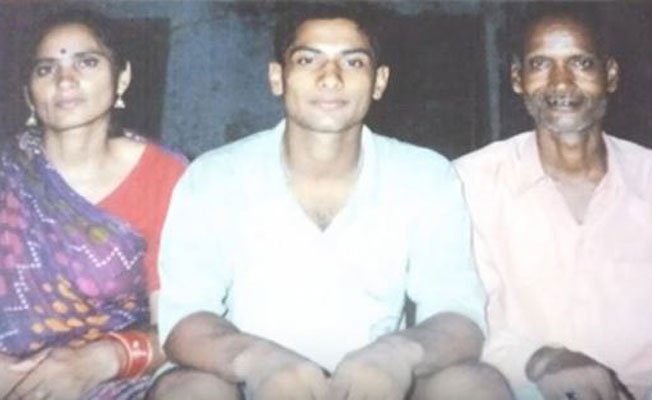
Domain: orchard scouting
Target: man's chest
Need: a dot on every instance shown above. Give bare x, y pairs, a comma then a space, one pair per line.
537, 246
280, 244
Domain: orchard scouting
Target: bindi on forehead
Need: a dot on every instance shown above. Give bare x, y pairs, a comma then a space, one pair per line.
63, 51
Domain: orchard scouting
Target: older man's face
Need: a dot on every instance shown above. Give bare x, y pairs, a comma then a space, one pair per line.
562, 78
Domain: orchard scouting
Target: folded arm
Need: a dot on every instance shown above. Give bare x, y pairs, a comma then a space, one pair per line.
67, 372
386, 367
443, 283
212, 344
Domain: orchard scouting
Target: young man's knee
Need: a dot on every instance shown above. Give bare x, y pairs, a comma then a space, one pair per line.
467, 381
182, 383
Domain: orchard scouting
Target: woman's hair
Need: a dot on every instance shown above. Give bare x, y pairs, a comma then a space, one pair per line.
104, 29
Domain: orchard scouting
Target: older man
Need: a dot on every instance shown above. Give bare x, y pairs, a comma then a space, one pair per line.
563, 226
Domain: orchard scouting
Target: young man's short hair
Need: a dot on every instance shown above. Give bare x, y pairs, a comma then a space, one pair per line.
294, 14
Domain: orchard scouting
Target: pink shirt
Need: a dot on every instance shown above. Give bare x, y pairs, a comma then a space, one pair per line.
551, 280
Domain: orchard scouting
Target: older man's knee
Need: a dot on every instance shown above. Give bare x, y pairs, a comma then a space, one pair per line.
468, 381
191, 384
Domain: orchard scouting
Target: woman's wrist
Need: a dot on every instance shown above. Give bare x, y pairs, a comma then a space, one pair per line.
137, 352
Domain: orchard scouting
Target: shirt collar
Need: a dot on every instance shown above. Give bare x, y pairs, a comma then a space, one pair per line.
530, 170
366, 146
365, 190
365, 185
528, 162
614, 176
277, 167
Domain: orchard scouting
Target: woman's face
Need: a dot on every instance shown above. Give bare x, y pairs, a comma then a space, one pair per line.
72, 83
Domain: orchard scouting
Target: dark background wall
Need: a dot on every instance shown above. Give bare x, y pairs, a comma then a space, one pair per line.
200, 70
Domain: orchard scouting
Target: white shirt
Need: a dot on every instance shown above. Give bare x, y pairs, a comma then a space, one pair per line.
237, 243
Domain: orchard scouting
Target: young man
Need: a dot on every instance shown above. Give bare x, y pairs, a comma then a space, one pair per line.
287, 255
563, 227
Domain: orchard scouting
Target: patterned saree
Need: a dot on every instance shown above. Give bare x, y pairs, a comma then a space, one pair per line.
69, 272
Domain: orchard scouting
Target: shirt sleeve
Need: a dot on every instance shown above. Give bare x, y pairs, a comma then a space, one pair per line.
508, 350
505, 348
442, 276
193, 276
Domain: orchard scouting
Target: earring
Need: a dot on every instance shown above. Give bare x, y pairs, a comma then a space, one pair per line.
119, 102
31, 120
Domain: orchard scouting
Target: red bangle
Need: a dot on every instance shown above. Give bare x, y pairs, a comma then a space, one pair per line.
138, 349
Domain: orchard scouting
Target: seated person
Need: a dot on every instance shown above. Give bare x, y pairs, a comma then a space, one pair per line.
82, 202
287, 256
563, 226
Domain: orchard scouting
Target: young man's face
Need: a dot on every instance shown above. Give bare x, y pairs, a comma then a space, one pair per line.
562, 78
328, 77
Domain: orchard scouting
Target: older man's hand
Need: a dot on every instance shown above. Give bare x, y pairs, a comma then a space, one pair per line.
561, 374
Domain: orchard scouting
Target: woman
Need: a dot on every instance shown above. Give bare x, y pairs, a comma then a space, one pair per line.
81, 207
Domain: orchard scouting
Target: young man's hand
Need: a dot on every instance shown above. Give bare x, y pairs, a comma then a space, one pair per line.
381, 370
273, 372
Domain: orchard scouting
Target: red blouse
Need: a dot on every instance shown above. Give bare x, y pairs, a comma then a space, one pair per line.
142, 200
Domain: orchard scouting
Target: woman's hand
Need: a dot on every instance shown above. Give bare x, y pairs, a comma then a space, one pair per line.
8, 378
66, 373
